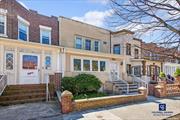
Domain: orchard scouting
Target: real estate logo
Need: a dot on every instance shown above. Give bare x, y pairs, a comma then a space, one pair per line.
162, 107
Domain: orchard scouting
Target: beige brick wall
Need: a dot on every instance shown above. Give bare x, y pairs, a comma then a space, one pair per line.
69, 29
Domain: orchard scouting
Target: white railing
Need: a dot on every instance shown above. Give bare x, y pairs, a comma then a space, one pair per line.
140, 82
3, 83
116, 78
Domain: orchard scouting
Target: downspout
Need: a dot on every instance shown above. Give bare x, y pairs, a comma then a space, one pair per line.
110, 41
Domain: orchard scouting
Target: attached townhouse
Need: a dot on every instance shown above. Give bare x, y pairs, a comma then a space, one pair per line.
34, 46
29, 44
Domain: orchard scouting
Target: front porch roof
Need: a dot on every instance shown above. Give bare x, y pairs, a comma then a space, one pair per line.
93, 53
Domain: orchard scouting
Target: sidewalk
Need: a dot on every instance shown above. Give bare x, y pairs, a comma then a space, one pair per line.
138, 111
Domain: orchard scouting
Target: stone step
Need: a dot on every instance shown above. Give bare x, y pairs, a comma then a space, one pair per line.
29, 86
24, 91
5, 103
22, 96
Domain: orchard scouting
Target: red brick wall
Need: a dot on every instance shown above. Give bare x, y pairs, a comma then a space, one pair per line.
14, 9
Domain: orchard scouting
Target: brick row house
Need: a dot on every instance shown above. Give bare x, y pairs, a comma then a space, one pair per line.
34, 46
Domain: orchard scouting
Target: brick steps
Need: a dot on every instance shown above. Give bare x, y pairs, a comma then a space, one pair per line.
18, 94
5, 103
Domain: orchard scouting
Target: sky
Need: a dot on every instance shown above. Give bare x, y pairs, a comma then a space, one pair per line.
93, 12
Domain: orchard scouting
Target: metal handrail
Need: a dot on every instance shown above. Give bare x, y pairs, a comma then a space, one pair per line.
3, 83
117, 78
140, 81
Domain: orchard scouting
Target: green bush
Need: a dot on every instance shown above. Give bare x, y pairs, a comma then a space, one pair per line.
89, 95
87, 83
162, 75
81, 84
68, 83
177, 73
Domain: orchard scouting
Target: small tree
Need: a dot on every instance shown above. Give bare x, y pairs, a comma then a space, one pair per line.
177, 73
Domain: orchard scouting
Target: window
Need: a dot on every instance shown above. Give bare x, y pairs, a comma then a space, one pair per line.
117, 49
3, 20
102, 66
9, 61
2, 24
128, 49
129, 71
136, 53
23, 29
78, 43
77, 64
30, 62
94, 65
45, 35
47, 62
86, 65
87, 44
137, 71
96, 46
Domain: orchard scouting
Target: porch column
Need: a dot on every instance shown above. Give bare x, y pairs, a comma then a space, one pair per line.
2, 58
42, 66
16, 64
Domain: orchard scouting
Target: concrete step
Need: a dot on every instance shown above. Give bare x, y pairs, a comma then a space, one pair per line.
5, 103
22, 96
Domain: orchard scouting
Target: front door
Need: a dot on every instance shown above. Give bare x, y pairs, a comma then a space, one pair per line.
29, 68
114, 71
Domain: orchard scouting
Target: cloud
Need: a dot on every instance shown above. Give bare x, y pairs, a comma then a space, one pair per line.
23, 5
104, 2
96, 18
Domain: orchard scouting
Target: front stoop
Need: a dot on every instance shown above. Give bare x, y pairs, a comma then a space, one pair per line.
19, 94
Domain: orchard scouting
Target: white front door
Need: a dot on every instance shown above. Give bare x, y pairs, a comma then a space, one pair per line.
29, 68
114, 70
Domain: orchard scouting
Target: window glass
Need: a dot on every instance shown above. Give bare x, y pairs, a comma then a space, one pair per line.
9, 61
30, 62
128, 49
48, 62
102, 65
117, 49
78, 43
23, 31
88, 45
94, 65
77, 64
136, 53
129, 69
2, 24
45, 36
137, 71
96, 46
86, 65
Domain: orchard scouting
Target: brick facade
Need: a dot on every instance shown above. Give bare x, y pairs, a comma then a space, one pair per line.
15, 9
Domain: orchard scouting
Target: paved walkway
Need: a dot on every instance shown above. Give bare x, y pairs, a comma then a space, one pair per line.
50, 111
148, 110
31, 111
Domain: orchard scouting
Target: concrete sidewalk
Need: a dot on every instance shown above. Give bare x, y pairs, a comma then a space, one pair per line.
148, 110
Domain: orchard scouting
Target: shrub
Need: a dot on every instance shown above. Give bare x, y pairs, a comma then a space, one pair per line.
177, 73
86, 83
162, 75
68, 83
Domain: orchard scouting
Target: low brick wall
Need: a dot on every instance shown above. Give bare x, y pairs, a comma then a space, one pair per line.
68, 105
151, 88
106, 101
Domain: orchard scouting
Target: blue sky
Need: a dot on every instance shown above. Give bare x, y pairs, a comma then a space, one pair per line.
90, 11
95, 12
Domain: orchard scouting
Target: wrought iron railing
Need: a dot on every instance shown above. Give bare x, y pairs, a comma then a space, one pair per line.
3, 83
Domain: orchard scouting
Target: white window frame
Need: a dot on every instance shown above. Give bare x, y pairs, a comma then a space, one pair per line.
98, 45
22, 20
82, 41
11, 52
45, 28
88, 58
3, 12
